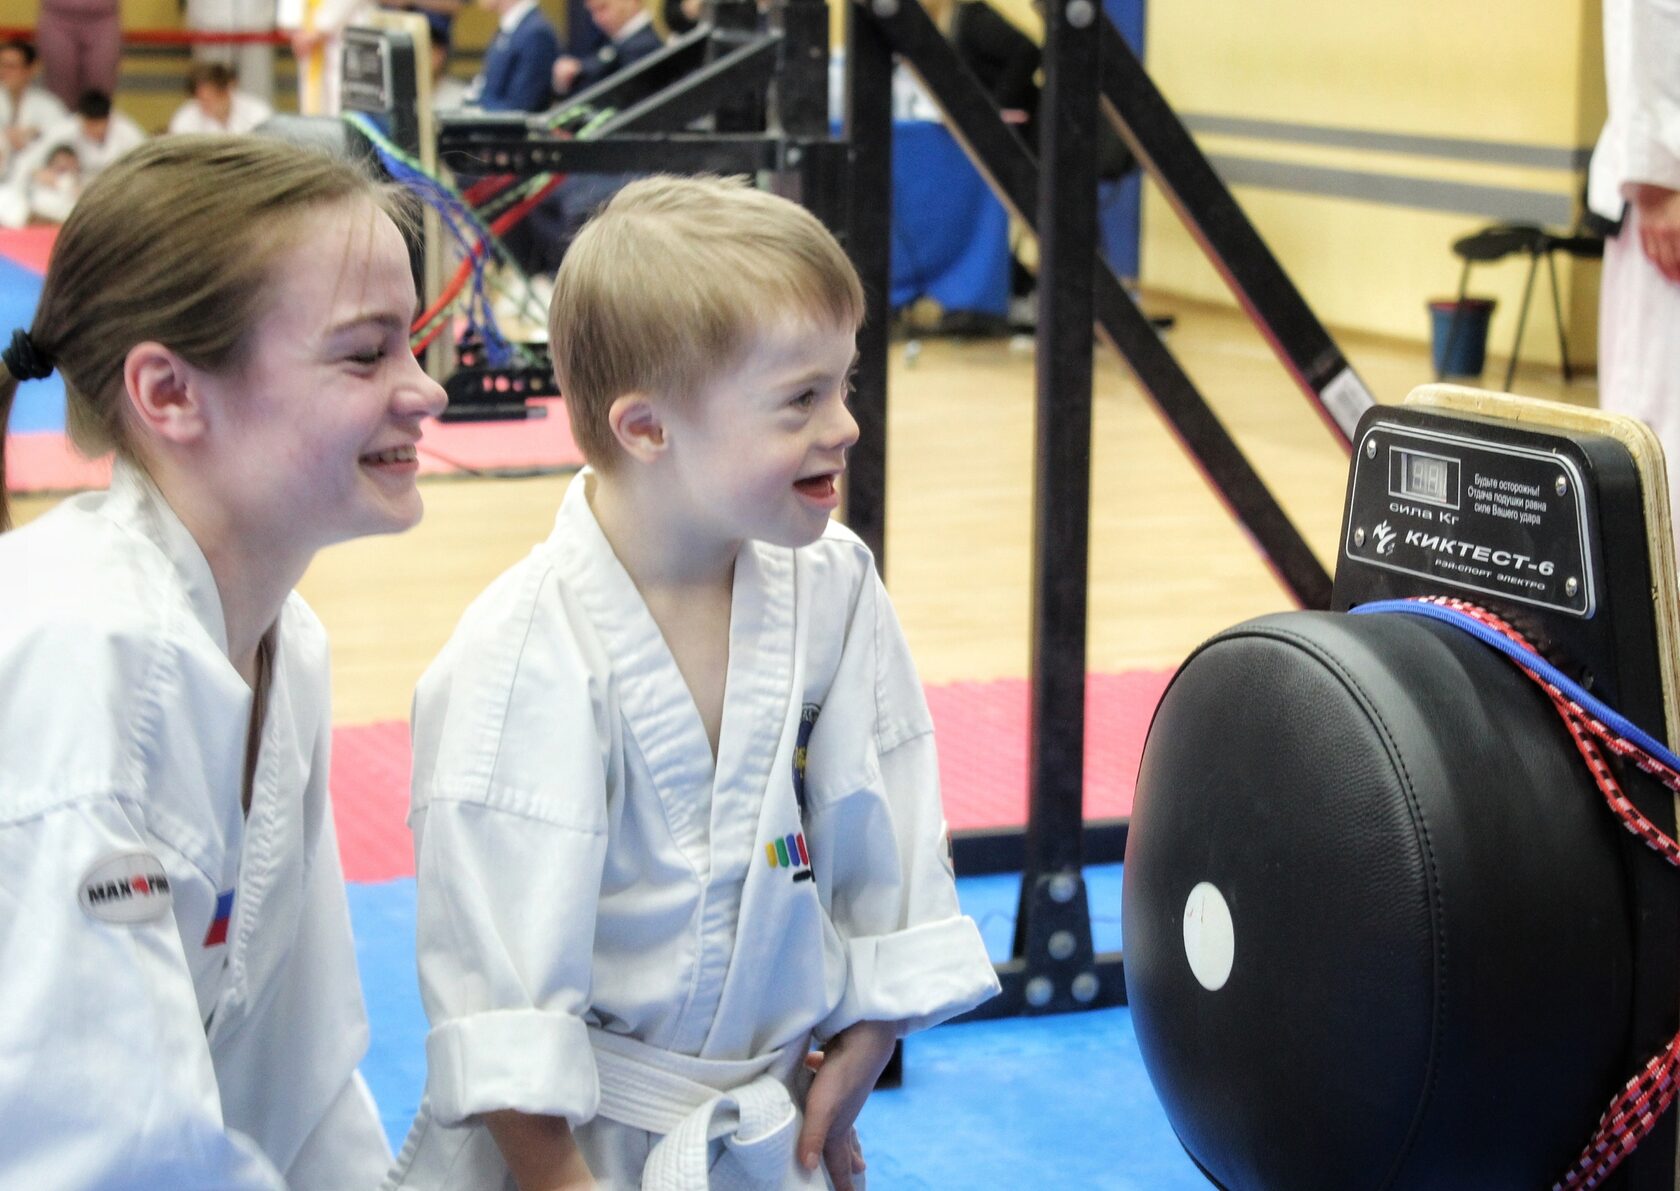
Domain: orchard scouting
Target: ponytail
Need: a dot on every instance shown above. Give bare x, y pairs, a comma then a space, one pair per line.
21, 360
24, 358
8, 390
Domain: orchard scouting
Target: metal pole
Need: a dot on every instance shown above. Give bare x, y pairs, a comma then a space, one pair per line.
868, 132
1053, 904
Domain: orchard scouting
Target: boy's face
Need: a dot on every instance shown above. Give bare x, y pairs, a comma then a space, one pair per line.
759, 451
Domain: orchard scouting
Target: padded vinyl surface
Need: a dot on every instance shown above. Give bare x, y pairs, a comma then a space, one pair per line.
1432, 952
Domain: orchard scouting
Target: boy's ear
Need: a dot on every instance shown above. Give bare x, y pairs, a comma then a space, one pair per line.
162, 393
636, 425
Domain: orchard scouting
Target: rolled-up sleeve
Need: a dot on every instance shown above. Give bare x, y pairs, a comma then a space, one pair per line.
510, 842
913, 957
506, 922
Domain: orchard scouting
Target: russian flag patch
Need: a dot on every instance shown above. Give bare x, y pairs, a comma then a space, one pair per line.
217, 934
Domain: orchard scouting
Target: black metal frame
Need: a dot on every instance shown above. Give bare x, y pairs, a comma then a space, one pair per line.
1053, 966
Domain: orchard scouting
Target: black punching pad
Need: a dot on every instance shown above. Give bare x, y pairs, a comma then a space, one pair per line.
1428, 967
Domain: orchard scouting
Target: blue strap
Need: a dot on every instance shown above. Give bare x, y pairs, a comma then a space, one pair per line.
1529, 660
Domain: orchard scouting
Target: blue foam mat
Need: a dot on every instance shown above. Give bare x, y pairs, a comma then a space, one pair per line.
40, 404
1042, 1102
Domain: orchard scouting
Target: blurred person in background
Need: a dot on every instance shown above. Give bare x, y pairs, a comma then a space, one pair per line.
215, 104
1634, 182
25, 109
80, 43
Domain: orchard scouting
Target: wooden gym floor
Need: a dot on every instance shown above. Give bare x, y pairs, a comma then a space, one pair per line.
1168, 567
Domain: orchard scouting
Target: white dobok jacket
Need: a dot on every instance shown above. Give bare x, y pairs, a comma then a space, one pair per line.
614, 930
181, 1002
1641, 137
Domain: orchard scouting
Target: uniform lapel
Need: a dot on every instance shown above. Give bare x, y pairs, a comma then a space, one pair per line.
270, 885
659, 713
755, 706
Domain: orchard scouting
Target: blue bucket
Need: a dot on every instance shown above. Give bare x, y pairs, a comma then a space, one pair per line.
1458, 335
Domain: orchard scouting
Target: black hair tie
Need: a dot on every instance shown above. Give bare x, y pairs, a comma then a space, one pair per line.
24, 360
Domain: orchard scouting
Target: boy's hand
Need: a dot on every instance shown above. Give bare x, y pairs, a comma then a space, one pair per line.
846, 1073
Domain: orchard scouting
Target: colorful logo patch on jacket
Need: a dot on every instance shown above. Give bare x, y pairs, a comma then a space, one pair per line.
217, 934
790, 852
128, 887
801, 745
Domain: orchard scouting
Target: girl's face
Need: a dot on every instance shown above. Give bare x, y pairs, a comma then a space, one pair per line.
317, 431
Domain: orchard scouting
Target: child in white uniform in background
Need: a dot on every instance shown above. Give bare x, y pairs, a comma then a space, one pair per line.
676, 804
55, 187
230, 315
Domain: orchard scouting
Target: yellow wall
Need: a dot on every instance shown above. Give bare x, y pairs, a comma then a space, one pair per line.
1519, 72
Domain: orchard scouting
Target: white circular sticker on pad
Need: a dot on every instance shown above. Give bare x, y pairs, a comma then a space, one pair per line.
1210, 938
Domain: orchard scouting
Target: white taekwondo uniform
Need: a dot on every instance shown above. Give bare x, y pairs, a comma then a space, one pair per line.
1639, 308
146, 1044
320, 74
37, 109
244, 114
1638, 348
614, 930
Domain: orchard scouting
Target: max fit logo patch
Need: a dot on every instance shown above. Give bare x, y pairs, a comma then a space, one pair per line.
128, 887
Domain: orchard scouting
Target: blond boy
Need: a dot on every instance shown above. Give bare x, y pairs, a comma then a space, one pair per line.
676, 808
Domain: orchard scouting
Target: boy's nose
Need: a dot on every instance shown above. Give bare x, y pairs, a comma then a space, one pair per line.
844, 428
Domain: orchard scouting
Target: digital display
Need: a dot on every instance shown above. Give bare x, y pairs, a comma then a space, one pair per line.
1418, 475
366, 72
1426, 477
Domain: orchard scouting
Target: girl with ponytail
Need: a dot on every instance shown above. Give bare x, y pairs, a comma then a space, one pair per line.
230, 318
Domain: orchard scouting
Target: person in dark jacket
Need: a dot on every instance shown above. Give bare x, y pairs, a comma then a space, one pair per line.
516, 66
630, 38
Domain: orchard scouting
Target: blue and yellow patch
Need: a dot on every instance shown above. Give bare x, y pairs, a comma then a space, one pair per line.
801, 748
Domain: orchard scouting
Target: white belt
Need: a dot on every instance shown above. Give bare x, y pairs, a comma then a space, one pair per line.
694, 1102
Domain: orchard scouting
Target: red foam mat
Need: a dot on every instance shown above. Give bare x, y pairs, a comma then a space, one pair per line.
982, 732
46, 462
501, 446
370, 768
29, 246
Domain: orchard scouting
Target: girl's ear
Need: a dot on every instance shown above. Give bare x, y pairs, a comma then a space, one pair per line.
163, 395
